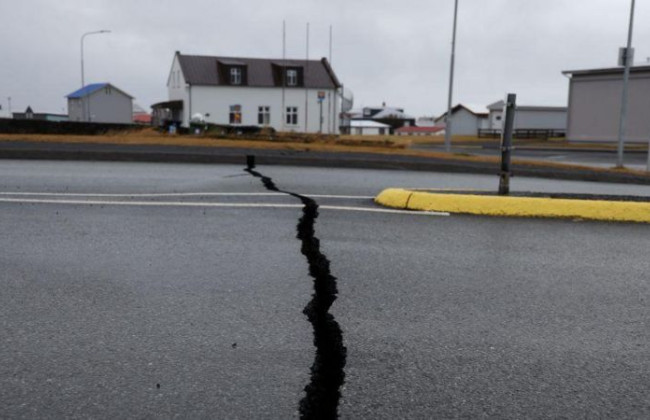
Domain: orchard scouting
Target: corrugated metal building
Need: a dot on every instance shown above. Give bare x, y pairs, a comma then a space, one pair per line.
100, 102
595, 104
530, 117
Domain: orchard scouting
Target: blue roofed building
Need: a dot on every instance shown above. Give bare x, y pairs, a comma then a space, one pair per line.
100, 102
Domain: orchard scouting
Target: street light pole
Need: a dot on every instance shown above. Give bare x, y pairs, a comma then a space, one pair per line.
626, 79
83, 83
451, 82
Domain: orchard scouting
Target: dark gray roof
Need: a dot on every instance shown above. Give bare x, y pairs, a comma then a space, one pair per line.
499, 106
203, 70
607, 71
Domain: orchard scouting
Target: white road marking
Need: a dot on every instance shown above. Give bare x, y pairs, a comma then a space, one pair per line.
222, 205
192, 194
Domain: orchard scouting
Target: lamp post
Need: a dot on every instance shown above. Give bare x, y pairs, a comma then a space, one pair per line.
451, 82
83, 83
626, 78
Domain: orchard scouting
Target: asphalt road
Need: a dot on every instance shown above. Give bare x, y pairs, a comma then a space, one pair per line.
603, 159
162, 291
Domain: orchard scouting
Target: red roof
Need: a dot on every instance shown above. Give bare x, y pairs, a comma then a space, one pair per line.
431, 130
142, 118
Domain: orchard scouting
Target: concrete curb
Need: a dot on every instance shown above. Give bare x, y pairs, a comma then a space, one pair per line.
513, 206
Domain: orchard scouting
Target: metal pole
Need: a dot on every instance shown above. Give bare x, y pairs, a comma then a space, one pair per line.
451, 82
506, 144
83, 83
304, 81
329, 94
284, 73
9, 100
320, 126
626, 78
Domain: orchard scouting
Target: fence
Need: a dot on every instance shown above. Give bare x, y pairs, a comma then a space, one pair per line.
12, 126
523, 133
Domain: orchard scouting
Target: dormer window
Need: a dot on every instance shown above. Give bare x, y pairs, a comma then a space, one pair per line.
292, 77
235, 76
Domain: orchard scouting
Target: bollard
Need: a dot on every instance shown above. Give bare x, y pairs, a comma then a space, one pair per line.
506, 143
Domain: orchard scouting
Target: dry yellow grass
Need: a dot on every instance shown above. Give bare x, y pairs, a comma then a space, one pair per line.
349, 145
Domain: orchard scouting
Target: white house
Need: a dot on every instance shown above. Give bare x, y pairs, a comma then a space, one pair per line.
367, 127
288, 95
102, 103
466, 120
529, 117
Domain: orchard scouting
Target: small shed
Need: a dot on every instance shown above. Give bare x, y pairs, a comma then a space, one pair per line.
100, 102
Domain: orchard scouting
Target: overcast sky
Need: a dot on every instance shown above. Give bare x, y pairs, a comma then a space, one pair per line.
396, 52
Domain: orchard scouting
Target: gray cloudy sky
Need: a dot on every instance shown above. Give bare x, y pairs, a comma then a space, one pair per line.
385, 51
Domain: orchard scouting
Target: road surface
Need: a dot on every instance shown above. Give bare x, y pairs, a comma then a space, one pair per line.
151, 290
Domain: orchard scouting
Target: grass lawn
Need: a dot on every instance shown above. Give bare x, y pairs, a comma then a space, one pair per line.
386, 145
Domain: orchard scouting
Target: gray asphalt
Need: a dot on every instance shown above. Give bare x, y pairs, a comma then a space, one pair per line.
635, 159
139, 311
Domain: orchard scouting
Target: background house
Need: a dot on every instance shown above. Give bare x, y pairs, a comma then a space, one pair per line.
29, 114
595, 104
529, 117
391, 117
288, 95
466, 120
100, 102
371, 128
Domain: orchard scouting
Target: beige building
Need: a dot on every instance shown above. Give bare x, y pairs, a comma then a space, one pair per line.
595, 104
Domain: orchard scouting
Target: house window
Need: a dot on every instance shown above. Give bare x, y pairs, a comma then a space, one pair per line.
292, 77
108, 90
292, 115
264, 115
235, 114
235, 76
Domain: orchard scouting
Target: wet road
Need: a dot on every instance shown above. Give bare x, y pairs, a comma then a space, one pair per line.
149, 290
602, 159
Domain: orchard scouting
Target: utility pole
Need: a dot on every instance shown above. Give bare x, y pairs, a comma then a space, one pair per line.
628, 57
448, 127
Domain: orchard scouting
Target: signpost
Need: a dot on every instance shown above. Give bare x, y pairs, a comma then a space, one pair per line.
321, 98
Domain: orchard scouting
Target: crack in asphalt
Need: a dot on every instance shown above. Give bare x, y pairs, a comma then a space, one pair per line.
322, 393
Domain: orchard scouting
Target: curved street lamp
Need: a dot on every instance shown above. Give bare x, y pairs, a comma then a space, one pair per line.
103, 31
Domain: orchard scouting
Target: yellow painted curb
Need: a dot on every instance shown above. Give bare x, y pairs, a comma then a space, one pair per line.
509, 206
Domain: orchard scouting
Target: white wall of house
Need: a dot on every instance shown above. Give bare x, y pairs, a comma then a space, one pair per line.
218, 100
176, 86
105, 105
